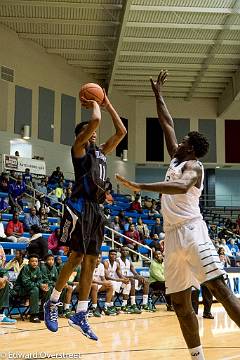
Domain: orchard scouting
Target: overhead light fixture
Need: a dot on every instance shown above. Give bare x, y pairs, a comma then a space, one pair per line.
125, 155
26, 132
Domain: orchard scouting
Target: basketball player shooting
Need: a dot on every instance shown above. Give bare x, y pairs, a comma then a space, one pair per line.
190, 257
82, 226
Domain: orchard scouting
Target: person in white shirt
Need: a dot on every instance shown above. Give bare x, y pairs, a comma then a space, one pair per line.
100, 284
190, 257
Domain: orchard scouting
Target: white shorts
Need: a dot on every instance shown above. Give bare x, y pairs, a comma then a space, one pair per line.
118, 286
190, 256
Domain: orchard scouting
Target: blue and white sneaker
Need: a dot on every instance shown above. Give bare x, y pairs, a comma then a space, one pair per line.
79, 321
8, 321
51, 315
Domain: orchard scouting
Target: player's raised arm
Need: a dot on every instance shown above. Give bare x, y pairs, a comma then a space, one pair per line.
190, 177
121, 131
164, 116
88, 129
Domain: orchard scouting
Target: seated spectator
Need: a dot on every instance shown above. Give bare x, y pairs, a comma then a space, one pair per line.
17, 153
135, 205
207, 299
233, 247
44, 224
4, 291
157, 279
56, 177
31, 219
49, 273
216, 243
41, 202
71, 286
122, 218
155, 243
115, 225
119, 282
107, 214
137, 281
225, 247
58, 263
237, 230
99, 284
129, 221
229, 224
132, 234
67, 193
4, 183
12, 177
157, 227
17, 263
143, 230
16, 192
30, 285
108, 197
37, 244
53, 243
147, 204
27, 177
42, 187
223, 257
14, 229
59, 191
4, 204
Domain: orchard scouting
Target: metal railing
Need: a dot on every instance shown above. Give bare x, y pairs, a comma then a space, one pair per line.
112, 239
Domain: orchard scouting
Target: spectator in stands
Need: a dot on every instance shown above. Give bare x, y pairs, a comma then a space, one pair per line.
49, 273
44, 224
14, 229
53, 243
59, 263
216, 243
135, 205
37, 245
129, 221
108, 197
17, 153
225, 247
229, 224
147, 204
119, 282
4, 183
117, 227
100, 284
107, 214
59, 191
12, 177
17, 263
237, 229
157, 280
122, 218
157, 227
155, 243
233, 247
153, 211
223, 256
4, 290
31, 219
132, 233
67, 193
129, 272
16, 192
143, 230
27, 177
71, 287
42, 187
56, 177
212, 230
224, 261
30, 284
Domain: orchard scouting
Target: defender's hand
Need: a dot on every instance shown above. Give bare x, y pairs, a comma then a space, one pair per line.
129, 184
157, 85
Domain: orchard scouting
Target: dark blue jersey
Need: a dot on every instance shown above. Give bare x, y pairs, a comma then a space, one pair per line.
90, 175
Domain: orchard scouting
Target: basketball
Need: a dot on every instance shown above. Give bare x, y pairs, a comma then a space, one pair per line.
92, 91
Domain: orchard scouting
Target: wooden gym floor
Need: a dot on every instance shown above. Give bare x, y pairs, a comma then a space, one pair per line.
124, 337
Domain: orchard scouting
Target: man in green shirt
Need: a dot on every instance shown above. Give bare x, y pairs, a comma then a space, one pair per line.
157, 280
32, 285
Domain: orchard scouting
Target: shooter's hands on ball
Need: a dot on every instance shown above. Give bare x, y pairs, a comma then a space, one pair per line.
88, 104
106, 101
157, 85
129, 184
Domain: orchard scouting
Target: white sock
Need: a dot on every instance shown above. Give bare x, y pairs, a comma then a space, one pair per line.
133, 300
66, 306
94, 306
111, 303
82, 306
145, 299
124, 302
55, 295
107, 304
197, 353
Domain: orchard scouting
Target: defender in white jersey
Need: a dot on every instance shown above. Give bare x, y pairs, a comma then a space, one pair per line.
190, 257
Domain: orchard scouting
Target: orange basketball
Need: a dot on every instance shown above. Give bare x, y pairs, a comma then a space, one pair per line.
92, 91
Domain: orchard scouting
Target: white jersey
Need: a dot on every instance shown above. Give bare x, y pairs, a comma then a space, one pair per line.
180, 207
125, 267
99, 272
112, 269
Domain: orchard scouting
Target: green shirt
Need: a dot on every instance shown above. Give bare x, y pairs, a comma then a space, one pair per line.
29, 278
156, 271
50, 274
